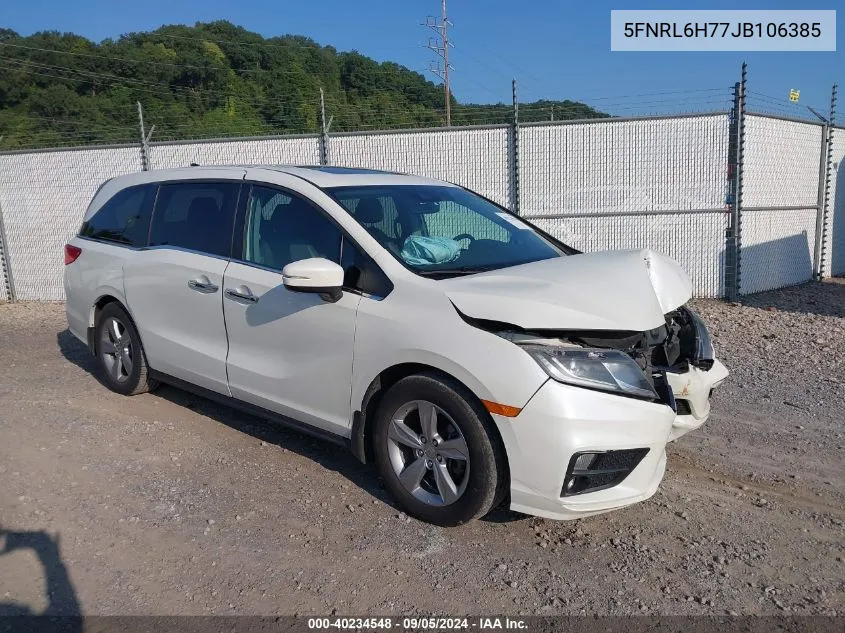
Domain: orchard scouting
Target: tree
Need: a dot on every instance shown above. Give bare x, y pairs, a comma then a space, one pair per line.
213, 79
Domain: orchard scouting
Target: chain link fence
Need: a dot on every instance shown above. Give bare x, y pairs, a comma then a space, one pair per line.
779, 202
649, 182
43, 196
476, 158
292, 150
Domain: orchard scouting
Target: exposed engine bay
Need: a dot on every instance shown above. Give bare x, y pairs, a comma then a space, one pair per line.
683, 341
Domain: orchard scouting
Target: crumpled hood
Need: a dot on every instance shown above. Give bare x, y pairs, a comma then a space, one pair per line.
611, 290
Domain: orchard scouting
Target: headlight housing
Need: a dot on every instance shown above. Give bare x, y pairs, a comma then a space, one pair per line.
602, 369
704, 352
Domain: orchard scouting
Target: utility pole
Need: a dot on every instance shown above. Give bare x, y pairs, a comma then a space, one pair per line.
440, 45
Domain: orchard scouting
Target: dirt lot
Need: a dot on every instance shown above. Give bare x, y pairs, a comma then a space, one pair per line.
168, 504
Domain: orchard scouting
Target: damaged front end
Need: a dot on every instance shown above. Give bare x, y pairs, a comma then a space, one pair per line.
665, 364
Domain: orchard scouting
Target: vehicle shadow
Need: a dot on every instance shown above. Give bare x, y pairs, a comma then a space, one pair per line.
59, 591
79, 354
325, 453
328, 455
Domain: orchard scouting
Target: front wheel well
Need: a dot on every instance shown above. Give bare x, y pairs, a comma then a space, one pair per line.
364, 420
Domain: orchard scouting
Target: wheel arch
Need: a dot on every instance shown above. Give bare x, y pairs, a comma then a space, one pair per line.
104, 299
363, 418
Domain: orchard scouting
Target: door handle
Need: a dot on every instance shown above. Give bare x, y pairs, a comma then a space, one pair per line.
202, 284
241, 294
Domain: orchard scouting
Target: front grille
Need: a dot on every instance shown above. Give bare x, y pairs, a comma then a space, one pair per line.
592, 471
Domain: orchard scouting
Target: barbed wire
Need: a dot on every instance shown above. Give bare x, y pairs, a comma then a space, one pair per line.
183, 127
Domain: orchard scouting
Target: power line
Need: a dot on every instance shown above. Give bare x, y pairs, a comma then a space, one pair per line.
357, 106
290, 42
472, 113
183, 66
157, 89
228, 94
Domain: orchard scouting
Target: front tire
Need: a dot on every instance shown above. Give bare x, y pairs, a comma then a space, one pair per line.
120, 354
437, 451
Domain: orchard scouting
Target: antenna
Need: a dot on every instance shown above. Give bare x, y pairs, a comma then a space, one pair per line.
440, 45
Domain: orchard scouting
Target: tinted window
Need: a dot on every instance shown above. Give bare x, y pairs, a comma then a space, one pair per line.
283, 228
124, 219
195, 215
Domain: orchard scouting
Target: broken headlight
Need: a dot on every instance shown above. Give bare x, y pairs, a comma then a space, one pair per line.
603, 369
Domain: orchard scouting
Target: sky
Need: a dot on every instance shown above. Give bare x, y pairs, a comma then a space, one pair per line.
555, 49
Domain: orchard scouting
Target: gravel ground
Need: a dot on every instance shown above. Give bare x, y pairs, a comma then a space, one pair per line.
168, 504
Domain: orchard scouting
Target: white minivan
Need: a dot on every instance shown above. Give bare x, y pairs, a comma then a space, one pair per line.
475, 359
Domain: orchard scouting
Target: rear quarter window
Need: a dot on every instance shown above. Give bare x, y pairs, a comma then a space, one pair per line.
124, 219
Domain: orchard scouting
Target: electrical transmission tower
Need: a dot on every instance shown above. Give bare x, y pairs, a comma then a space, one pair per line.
440, 45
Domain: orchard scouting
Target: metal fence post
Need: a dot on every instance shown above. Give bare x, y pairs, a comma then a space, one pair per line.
6, 277
825, 174
733, 234
513, 153
145, 162
324, 131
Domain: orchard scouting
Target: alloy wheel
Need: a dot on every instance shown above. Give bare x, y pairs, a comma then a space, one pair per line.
116, 350
428, 453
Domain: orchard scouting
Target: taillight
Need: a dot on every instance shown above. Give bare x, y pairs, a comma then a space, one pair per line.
71, 253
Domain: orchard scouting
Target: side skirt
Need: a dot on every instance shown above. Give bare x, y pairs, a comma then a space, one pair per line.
251, 409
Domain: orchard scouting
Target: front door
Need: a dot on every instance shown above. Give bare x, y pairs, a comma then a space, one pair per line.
290, 352
174, 287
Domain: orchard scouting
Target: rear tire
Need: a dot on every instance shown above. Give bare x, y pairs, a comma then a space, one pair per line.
120, 354
437, 452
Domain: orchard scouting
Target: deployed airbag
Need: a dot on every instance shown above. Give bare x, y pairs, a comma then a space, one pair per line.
420, 250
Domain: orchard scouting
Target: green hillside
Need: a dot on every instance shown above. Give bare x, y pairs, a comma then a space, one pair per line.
215, 79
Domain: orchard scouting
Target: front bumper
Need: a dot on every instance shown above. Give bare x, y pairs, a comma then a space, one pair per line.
561, 420
694, 387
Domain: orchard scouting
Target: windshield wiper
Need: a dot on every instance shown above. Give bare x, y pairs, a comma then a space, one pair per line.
453, 272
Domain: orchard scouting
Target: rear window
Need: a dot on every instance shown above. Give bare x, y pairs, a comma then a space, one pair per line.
124, 219
197, 216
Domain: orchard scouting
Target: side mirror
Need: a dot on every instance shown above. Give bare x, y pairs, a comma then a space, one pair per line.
315, 274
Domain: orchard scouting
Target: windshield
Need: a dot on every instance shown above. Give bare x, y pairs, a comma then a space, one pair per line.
443, 231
